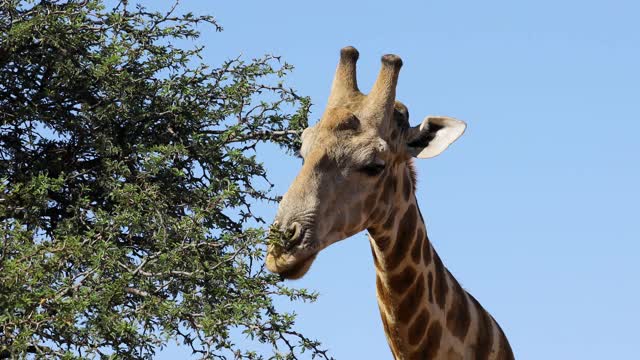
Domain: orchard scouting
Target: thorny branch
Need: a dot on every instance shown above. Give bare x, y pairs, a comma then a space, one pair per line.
128, 179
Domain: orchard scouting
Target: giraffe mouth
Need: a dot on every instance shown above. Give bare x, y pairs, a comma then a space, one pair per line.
293, 259
298, 269
288, 265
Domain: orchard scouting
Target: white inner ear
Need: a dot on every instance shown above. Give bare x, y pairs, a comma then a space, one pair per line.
451, 130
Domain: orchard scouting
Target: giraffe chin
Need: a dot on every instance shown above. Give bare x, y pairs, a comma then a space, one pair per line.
290, 268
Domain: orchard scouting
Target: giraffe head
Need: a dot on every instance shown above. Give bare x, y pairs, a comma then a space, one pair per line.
352, 159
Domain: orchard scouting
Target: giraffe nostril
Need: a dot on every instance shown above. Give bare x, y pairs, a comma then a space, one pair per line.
297, 233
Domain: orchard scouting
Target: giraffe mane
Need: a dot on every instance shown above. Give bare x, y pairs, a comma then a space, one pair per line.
413, 173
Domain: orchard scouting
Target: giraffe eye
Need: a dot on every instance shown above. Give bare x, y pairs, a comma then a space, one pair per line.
373, 169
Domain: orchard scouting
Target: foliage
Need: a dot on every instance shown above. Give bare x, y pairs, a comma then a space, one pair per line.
128, 171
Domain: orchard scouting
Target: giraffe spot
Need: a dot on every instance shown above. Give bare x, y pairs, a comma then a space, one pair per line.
441, 287
426, 252
458, 317
418, 327
411, 300
404, 236
430, 286
401, 281
416, 250
420, 234
406, 186
394, 134
431, 343
387, 190
453, 355
391, 219
325, 163
382, 241
484, 337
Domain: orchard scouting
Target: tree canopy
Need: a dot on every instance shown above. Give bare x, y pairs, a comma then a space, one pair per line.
128, 177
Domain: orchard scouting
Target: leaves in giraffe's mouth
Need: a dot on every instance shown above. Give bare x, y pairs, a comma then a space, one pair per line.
277, 239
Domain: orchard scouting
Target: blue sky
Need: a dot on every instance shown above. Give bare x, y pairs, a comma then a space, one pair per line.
535, 209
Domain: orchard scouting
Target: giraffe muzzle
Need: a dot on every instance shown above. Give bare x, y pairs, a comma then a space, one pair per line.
290, 236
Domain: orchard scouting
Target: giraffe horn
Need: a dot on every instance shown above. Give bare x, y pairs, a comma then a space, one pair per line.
382, 97
344, 82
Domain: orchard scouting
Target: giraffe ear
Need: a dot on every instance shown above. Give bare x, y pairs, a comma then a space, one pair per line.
433, 136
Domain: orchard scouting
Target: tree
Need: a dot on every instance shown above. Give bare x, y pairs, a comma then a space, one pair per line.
128, 177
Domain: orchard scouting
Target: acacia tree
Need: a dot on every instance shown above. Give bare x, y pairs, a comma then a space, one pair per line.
127, 180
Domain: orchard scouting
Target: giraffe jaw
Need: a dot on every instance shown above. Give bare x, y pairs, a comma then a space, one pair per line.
293, 260
287, 265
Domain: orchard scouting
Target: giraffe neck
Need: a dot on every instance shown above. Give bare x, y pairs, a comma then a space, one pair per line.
425, 312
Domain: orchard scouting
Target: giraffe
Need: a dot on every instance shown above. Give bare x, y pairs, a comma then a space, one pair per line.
358, 174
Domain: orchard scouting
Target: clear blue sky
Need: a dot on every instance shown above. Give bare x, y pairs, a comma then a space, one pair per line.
535, 209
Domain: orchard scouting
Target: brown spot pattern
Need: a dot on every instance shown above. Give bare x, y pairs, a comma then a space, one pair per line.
484, 340
410, 302
441, 288
401, 281
458, 317
394, 184
416, 250
430, 286
387, 189
426, 252
431, 343
382, 241
418, 327
324, 163
391, 219
453, 355
404, 236
420, 234
406, 186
